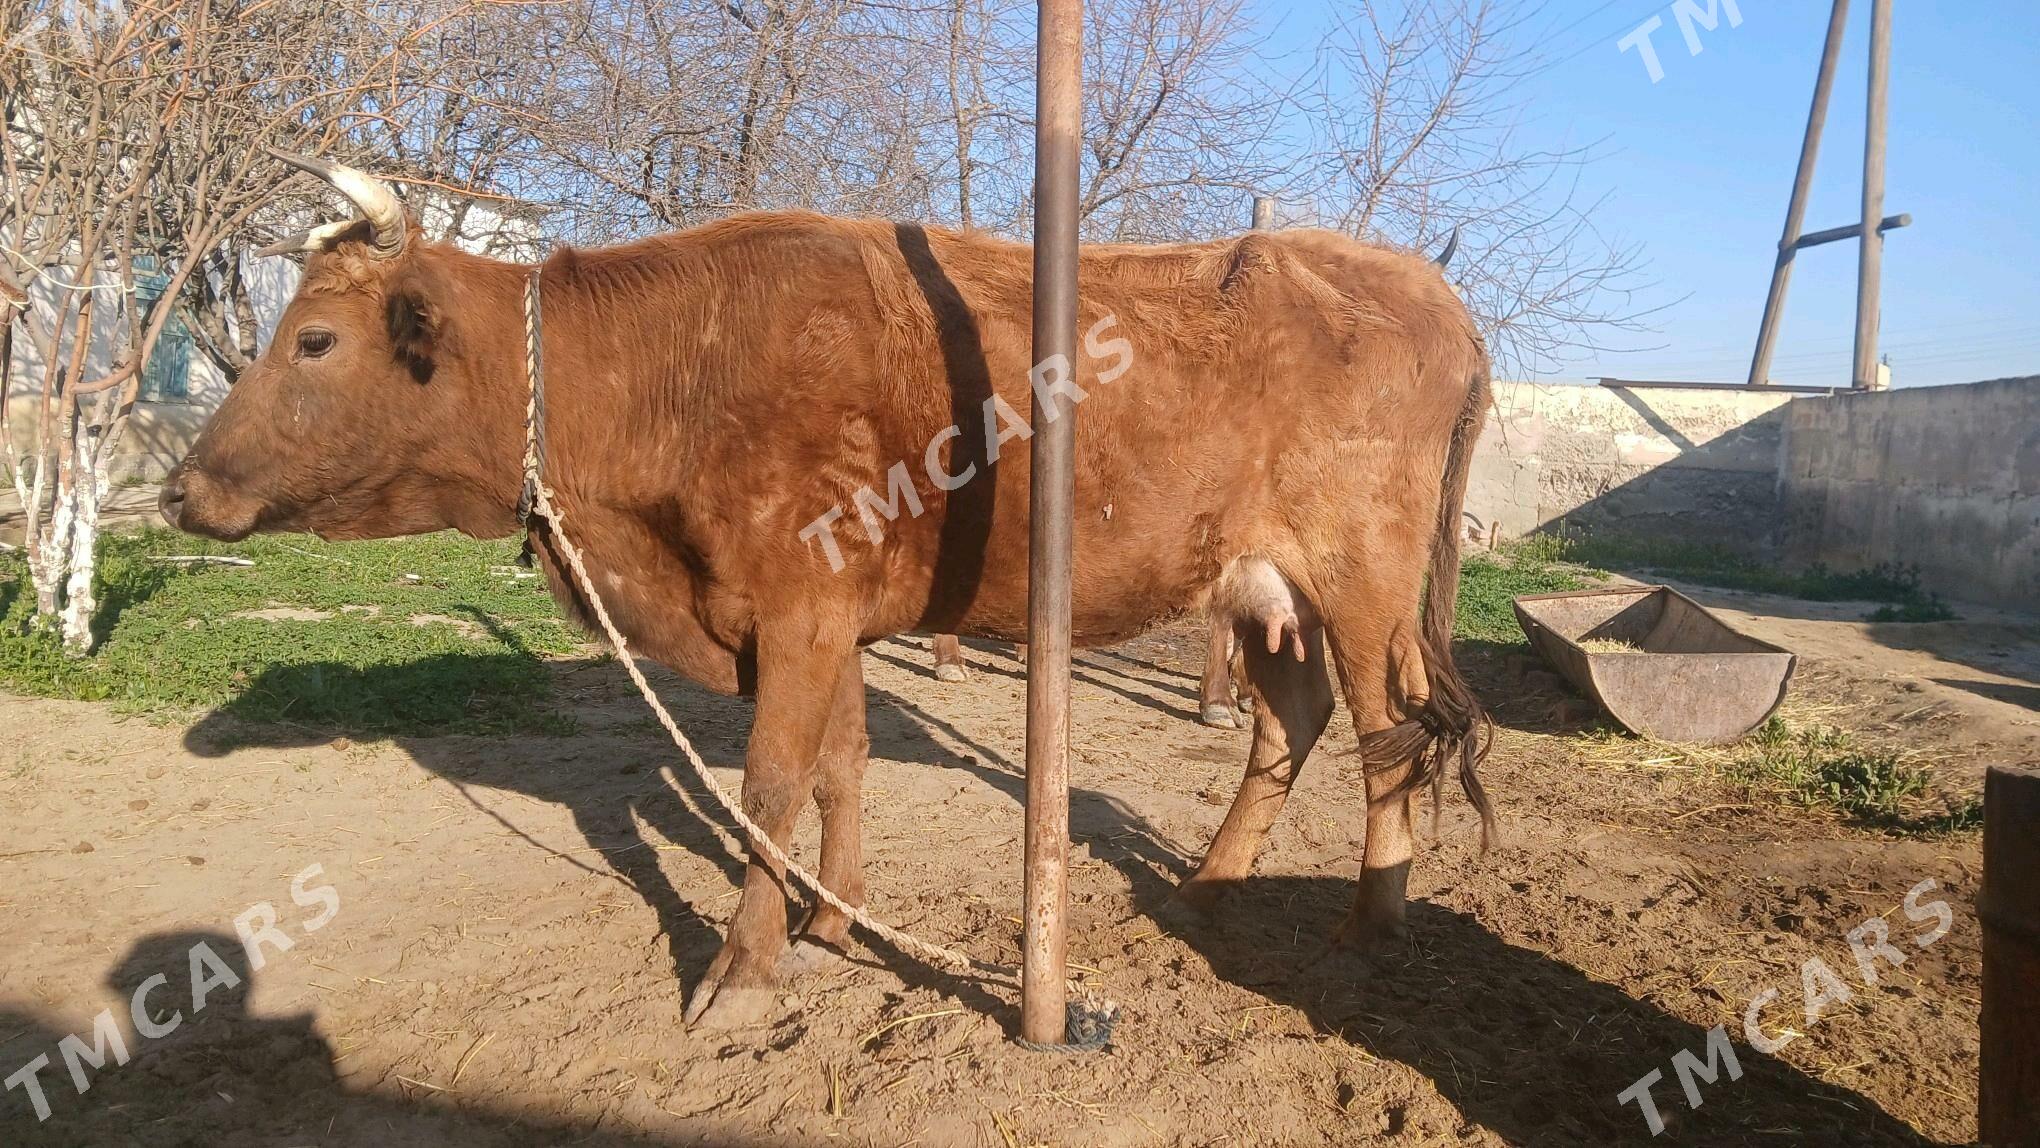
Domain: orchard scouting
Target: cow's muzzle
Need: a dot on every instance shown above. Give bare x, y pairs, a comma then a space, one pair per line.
196, 503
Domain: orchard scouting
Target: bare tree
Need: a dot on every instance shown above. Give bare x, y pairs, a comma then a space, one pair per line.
1411, 117
134, 149
1178, 121
654, 115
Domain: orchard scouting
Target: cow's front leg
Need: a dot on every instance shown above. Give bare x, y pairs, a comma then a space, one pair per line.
799, 664
839, 788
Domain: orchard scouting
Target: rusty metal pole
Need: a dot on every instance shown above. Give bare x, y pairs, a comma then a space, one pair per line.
2008, 1092
1802, 186
1058, 103
1870, 264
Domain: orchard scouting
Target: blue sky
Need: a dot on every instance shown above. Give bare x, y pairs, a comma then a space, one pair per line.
1699, 165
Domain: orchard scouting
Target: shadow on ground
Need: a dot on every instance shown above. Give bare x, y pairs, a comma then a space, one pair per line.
222, 1077
1520, 1042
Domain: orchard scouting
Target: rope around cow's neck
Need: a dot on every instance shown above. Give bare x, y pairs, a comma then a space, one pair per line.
1090, 1024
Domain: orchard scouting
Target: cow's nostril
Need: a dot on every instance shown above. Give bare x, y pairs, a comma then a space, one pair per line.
170, 500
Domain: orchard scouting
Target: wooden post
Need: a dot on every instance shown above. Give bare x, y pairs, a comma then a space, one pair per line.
1058, 96
1870, 265
1802, 185
2008, 1092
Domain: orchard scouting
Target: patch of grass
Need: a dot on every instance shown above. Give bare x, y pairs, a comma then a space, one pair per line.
1931, 610
1490, 581
405, 636
1712, 564
1822, 766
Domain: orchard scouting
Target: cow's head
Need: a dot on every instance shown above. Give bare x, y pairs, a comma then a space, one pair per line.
380, 407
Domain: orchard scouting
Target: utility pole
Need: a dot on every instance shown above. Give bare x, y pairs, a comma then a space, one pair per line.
1870, 230
1870, 263
1802, 185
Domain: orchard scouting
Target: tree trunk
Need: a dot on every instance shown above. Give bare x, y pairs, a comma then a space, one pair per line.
88, 484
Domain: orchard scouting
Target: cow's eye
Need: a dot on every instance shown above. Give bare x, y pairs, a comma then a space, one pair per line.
313, 342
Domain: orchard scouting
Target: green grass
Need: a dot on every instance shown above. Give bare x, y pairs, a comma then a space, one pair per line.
179, 638
1821, 766
1710, 564
1489, 582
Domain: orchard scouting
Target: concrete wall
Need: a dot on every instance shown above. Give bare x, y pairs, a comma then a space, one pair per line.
1695, 463
1943, 478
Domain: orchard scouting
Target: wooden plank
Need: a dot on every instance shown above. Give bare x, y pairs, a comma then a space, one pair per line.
2008, 1092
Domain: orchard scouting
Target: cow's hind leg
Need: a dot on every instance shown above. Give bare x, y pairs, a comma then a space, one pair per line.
800, 663
839, 785
949, 665
1215, 691
1293, 702
1373, 635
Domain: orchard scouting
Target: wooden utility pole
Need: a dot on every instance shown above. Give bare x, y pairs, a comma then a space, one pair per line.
1058, 102
2008, 1088
1874, 223
1870, 264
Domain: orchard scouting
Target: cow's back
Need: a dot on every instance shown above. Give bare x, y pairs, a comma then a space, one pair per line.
1273, 379
1257, 363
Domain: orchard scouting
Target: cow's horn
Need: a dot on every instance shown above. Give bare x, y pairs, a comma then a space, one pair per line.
317, 239
1444, 258
377, 203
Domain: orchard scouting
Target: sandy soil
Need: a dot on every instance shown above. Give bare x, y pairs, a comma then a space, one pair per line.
520, 918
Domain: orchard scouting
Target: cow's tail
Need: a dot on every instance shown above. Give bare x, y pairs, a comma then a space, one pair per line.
1451, 730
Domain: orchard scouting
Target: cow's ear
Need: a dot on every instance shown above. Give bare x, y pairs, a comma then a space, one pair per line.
416, 311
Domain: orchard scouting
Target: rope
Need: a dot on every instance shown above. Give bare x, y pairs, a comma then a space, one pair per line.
1090, 1019
760, 840
534, 405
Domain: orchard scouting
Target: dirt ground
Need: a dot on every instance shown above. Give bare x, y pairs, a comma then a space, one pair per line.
520, 918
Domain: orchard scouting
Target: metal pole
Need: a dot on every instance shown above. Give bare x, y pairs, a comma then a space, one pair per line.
1802, 185
1058, 60
1870, 266
2008, 1086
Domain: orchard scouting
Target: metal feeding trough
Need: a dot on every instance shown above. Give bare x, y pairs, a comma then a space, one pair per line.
1658, 662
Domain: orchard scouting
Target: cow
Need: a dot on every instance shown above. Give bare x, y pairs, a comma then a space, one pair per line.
1274, 427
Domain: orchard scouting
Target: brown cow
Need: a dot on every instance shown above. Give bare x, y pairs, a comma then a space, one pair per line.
1288, 446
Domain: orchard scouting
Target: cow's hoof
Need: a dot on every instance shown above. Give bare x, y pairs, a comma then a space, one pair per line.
1194, 904
1221, 717
730, 995
1373, 933
950, 673
805, 956
719, 1008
